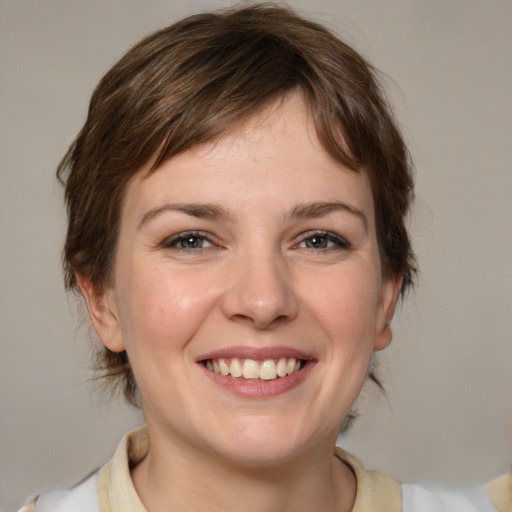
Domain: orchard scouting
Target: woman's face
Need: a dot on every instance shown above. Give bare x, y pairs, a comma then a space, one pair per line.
253, 254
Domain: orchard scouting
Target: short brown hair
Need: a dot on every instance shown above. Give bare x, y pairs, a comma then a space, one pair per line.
187, 84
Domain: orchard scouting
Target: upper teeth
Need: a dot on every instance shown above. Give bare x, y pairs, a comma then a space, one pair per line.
269, 369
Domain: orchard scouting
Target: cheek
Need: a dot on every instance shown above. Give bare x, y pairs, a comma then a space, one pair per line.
345, 303
163, 309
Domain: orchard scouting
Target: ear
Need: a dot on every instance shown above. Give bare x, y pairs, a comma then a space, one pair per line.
103, 313
386, 308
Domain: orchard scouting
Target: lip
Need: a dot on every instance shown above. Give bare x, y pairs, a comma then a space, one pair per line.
256, 353
255, 388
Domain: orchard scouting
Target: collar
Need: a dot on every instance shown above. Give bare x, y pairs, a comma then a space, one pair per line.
375, 491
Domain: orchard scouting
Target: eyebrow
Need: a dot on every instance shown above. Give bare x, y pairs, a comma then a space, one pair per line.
199, 210
213, 211
321, 209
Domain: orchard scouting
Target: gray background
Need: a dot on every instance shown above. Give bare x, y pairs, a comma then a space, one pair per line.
448, 414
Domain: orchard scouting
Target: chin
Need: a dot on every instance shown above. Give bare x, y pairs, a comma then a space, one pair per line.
262, 443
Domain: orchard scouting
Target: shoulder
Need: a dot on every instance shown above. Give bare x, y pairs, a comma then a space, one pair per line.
375, 491
109, 488
381, 493
500, 492
416, 498
83, 497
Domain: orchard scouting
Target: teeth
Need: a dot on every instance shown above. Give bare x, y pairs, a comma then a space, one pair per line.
251, 369
224, 368
235, 368
281, 367
269, 369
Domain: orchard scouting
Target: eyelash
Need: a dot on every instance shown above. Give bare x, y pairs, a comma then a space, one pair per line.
339, 242
174, 241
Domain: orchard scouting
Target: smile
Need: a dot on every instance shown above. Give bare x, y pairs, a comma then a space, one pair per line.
268, 369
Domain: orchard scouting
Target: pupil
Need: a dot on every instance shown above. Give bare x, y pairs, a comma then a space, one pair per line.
192, 241
317, 242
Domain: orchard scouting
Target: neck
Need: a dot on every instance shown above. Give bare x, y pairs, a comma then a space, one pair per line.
170, 480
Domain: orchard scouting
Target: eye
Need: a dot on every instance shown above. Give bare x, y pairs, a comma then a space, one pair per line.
323, 240
191, 240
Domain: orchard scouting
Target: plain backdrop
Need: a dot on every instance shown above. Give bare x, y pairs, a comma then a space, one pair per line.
447, 416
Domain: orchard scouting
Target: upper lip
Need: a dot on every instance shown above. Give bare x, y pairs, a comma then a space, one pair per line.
256, 353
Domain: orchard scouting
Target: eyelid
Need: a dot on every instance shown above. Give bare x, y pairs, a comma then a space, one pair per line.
173, 240
341, 242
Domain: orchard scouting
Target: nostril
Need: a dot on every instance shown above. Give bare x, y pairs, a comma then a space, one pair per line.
280, 319
260, 321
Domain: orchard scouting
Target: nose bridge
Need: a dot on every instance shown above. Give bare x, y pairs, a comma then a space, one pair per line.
260, 290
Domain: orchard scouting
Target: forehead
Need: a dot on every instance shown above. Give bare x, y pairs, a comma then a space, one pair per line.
274, 154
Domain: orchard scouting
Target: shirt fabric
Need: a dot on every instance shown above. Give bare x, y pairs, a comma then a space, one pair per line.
111, 489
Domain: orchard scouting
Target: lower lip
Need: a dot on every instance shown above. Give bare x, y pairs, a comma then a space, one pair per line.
256, 388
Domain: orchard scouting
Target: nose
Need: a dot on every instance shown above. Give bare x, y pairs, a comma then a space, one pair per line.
260, 291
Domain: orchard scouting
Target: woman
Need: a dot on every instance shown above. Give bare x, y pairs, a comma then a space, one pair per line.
236, 204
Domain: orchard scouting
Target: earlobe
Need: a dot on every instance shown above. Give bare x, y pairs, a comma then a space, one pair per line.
103, 313
390, 291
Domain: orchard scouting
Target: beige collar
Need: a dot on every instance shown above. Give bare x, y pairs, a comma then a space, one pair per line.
375, 492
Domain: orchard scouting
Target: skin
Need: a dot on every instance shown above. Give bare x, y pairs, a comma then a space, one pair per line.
258, 270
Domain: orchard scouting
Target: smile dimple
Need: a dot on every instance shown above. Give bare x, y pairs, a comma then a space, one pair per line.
269, 369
